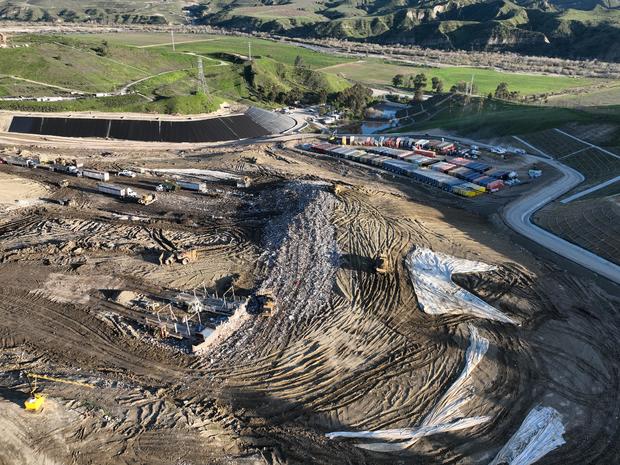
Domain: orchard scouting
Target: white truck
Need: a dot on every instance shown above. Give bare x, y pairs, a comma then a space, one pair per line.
18, 161
193, 186
117, 191
93, 174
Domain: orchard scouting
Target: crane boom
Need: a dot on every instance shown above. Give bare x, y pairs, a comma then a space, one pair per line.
60, 380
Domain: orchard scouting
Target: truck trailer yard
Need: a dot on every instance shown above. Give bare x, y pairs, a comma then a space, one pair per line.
294, 302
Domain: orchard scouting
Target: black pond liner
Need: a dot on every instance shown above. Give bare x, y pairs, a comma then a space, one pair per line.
206, 130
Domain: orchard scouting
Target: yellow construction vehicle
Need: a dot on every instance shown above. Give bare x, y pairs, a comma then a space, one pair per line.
35, 402
336, 188
383, 264
147, 199
261, 303
177, 256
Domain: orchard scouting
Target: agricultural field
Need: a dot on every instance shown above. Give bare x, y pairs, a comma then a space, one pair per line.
379, 72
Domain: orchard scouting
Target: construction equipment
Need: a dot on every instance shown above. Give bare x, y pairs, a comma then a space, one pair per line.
336, 189
383, 263
36, 400
263, 302
63, 183
167, 186
147, 199
177, 256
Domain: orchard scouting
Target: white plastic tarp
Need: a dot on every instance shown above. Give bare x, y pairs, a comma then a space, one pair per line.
446, 415
540, 433
431, 274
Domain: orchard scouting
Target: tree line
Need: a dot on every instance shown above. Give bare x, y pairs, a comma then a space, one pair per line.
419, 82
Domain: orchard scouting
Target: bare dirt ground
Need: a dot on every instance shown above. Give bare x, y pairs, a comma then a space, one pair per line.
345, 349
18, 192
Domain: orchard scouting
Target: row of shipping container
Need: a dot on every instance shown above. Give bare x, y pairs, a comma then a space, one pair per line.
406, 167
430, 146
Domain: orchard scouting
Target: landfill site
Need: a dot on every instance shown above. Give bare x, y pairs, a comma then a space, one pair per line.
292, 301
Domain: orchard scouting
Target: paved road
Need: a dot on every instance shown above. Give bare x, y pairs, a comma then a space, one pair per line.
518, 216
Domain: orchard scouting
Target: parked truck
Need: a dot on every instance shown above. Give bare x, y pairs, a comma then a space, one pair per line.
117, 191
93, 174
68, 169
18, 161
193, 186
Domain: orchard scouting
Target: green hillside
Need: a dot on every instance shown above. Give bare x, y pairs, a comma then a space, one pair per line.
156, 78
567, 28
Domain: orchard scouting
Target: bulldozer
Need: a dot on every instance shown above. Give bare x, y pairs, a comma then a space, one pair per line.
383, 264
263, 302
35, 402
336, 188
168, 257
147, 199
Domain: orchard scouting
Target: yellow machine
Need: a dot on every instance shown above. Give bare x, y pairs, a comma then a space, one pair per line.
383, 264
35, 402
176, 256
147, 199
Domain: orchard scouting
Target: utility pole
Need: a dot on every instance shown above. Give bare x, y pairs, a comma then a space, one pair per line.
172, 37
250, 50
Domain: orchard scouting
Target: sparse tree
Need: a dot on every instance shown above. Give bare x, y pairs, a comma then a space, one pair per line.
419, 81
502, 92
398, 80
299, 62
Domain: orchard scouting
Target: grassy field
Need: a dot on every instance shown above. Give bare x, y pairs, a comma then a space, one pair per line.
609, 95
74, 64
502, 119
209, 44
378, 72
11, 87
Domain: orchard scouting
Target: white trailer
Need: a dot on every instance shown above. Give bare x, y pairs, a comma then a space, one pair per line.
17, 161
193, 186
99, 175
112, 189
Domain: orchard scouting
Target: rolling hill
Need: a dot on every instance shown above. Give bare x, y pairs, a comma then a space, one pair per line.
566, 28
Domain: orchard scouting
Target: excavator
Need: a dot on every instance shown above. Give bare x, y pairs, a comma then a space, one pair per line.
36, 400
